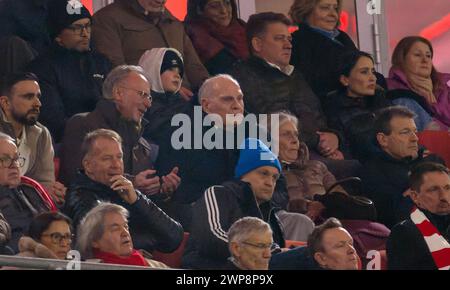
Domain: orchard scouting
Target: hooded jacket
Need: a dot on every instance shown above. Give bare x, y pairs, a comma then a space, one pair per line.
213, 215
41, 156
164, 104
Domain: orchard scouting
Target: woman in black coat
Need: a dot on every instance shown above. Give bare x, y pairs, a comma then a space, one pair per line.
318, 44
350, 109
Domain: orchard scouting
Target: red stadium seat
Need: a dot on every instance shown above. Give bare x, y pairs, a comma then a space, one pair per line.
294, 244
437, 142
173, 259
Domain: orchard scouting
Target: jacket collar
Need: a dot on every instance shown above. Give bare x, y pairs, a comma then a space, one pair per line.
441, 222
32, 132
81, 180
256, 60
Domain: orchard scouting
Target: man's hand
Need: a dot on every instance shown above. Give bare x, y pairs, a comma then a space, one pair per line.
328, 143
124, 188
186, 93
147, 182
57, 192
171, 181
337, 155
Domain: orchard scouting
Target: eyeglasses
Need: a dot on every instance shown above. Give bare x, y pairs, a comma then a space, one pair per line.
7, 161
57, 238
79, 28
260, 246
143, 94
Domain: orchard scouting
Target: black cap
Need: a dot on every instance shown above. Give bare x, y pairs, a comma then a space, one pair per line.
62, 13
171, 60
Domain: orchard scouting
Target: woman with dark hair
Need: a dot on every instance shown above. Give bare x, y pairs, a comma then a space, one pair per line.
216, 33
415, 83
49, 236
350, 109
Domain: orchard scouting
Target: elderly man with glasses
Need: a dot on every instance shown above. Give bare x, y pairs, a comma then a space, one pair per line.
126, 93
20, 202
71, 72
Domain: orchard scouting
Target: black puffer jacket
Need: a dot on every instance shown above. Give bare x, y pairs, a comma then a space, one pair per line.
71, 83
150, 228
214, 214
267, 90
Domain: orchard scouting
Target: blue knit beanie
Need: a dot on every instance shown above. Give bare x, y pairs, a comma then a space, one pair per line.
255, 154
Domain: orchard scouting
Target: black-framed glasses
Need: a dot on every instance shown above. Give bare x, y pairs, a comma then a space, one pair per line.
79, 28
143, 94
260, 246
57, 238
7, 161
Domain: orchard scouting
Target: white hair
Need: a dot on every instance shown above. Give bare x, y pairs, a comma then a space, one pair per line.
210, 86
118, 74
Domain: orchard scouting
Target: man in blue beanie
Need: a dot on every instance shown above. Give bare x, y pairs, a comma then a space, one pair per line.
256, 175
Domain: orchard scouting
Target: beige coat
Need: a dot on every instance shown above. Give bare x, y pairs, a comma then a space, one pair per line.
42, 168
122, 32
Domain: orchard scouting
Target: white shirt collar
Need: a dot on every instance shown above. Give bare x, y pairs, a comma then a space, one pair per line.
288, 70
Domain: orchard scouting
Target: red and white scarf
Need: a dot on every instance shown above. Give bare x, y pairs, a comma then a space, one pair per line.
437, 244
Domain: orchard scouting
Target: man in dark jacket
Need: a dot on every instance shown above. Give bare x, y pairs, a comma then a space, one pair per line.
422, 241
385, 174
23, 33
126, 99
257, 172
19, 202
71, 74
103, 179
271, 84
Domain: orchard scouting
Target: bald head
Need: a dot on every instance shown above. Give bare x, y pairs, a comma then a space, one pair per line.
221, 95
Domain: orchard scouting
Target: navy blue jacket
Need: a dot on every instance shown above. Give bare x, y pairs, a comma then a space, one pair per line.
71, 83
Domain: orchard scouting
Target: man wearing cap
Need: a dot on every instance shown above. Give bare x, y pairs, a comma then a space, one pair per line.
256, 174
71, 74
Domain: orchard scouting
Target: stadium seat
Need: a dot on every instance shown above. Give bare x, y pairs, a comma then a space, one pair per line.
437, 142
294, 244
41, 190
173, 259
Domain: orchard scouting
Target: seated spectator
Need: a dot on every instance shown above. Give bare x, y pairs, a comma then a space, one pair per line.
23, 33
20, 109
102, 179
70, 73
330, 247
49, 236
356, 100
125, 29
318, 44
250, 242
421, 242
416, 84
385, 174
221, 206
126, 93
305, 178
165, 70
19, 202
5, 235
218, 35
104, 234
204, 167
271, 84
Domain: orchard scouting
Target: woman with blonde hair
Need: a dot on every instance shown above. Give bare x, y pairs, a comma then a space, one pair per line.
318, 43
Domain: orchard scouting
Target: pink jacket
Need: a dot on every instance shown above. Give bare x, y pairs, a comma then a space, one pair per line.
397, 80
